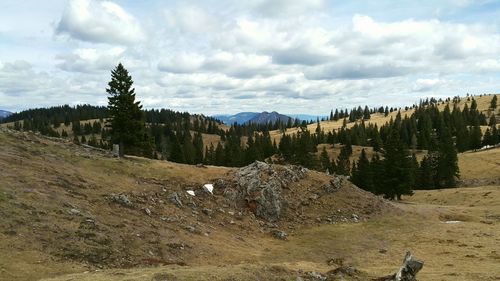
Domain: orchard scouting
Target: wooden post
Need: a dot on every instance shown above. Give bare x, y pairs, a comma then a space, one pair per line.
116, 150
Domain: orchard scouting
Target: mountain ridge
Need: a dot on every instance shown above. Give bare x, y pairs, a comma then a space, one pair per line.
4, 114
253, 117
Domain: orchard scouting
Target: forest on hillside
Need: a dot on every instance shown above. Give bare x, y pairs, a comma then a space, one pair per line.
393, 169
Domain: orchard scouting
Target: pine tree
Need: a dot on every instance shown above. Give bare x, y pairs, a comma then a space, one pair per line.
425, 179
366, 113
219, 155
475, 137
127, 121
198, 148
493, 103
362, 176
188, 148
488, 138
376, 141
343, 165
493, 121
397, 167
324, 160
378, 171
176, 153
448, 169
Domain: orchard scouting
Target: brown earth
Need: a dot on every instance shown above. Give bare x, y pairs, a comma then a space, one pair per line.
63, 212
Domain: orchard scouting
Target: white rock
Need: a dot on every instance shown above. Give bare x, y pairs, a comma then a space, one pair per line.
209, 187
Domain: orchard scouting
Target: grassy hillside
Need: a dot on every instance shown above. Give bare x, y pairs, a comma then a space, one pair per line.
60, 223
379, 119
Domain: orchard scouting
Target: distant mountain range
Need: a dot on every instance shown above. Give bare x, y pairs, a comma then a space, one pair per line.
253, 117
263, 117
269, 117
4, 114
239, 118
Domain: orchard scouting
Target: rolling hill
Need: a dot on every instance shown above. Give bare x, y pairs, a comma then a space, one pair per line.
75, 213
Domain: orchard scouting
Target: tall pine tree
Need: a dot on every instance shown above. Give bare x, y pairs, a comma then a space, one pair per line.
126, 118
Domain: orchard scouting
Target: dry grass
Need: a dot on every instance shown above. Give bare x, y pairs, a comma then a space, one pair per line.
480, 165
467, 250
483, 104
40, 177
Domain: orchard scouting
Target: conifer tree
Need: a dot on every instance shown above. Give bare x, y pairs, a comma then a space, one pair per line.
219, 155
362, 176
127, 121
397, 167
475, 137
198, 148
177, 153
377, 170
447, 160
366, 113
493, 103
325, 160
343, 165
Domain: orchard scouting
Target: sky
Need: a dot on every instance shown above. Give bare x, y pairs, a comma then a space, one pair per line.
223, 57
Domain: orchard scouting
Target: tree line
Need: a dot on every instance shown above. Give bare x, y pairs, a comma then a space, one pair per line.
392, 171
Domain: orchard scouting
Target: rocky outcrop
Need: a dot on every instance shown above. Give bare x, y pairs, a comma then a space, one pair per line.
258, 186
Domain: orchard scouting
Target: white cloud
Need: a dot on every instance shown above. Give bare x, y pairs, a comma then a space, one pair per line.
237, 64
99, 21
182, 63
286, 8
212, 56
191, 19
426, 84
90, 59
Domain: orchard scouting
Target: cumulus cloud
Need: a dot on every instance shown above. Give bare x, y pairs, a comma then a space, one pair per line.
294, 55
234, 64
99, 21
285, 8
426, 84
90, 59
22, 86
191, 19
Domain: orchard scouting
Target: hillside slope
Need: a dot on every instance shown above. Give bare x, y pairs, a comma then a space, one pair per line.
483, 103
68, 209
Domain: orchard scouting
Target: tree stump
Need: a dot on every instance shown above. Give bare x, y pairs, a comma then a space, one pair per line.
407, 272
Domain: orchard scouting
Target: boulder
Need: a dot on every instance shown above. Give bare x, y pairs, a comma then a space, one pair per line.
259, 186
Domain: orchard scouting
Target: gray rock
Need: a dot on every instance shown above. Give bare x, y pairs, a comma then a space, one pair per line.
207, 211
279, 234
121, 199
175, 199
169, 219
316, 275
74, 212
335, 184
259, 186
192, 229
